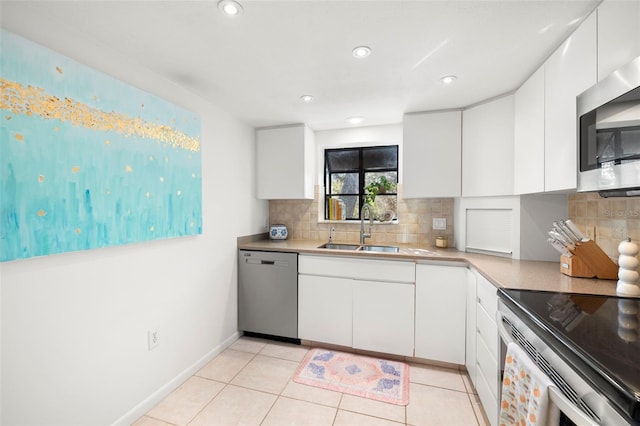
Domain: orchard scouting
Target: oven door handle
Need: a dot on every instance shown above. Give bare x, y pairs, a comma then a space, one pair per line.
504, 334
555, 394
569, 409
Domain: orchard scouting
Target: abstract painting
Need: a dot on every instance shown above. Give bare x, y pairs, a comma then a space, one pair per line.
87, 161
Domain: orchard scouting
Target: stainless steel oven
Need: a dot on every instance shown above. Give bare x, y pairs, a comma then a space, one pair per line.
589, 389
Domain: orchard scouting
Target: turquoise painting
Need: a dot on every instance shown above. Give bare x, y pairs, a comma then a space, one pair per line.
87, 161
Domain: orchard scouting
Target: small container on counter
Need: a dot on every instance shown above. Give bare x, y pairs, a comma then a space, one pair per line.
442, 242
278, 232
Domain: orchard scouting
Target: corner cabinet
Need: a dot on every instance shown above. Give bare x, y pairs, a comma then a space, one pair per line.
431, 152
284, 162
357, 302
441, 293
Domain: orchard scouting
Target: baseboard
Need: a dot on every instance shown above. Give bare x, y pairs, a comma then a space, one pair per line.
148, 403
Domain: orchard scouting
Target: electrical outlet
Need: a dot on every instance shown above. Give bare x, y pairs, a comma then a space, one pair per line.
439, 223
153, 338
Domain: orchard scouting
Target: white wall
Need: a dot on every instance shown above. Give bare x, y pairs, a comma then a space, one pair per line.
74, 326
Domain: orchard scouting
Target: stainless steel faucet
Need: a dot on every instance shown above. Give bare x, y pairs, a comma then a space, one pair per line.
363, 234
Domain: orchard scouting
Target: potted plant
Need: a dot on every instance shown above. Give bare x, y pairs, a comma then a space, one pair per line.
378, 186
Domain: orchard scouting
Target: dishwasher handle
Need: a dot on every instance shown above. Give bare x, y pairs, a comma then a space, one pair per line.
267, 262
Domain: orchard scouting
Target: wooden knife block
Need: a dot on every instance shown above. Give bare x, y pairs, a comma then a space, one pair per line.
589, 261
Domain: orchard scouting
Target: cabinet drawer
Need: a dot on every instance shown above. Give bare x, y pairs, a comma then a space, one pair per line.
487, 295
488, 365
355, 268
487, 398
487, 330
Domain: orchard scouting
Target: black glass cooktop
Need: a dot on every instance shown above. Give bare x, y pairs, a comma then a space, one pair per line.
602, 331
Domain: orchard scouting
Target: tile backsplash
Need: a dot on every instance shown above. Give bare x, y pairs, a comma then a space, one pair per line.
610, 219
303, 219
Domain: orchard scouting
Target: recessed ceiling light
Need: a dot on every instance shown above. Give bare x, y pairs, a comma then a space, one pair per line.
361, 51
448, 79
306, 98
356, 119
230, 7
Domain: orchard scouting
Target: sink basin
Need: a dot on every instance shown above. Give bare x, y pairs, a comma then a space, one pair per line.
337, 246
388, 249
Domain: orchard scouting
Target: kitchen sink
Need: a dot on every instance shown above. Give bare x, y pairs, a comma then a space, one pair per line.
387, 249
337, 246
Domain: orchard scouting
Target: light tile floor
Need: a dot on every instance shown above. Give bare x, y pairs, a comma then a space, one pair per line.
250, 383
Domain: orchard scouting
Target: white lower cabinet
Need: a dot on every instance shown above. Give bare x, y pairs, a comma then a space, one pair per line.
325, 309
441, 312
383, 317
360, 303
485, 374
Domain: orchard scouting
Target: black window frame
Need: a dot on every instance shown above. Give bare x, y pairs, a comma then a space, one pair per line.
361, 170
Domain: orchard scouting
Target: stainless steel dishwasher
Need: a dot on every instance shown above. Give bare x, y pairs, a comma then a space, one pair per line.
268, 293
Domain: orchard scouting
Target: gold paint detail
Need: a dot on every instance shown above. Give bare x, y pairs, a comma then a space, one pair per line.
19, 137
56, 129
78, 230
128, 168
75, 169
41, 178
8, 117
59, 70
42, 213
107, 192
107, 142
30, 100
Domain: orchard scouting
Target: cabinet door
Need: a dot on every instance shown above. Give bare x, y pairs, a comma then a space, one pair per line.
441, 293
618, 35
325, 309
528, 150
431, 152
284, 163
487, 153
568, 72
383, 317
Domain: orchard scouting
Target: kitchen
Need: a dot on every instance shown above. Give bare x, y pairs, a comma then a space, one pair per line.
78, 318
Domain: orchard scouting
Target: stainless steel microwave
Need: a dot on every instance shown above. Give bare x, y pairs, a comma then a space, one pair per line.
609, 134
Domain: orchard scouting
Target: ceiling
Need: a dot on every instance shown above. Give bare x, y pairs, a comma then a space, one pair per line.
258, 64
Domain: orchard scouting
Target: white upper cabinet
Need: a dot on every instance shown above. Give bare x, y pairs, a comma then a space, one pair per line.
528, 150
569, 71
487, 148
431, 154
284, 162
618, 35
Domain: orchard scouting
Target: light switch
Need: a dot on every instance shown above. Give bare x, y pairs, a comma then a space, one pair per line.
439, 223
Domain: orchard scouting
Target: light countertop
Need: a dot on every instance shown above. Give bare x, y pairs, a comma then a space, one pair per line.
502, 272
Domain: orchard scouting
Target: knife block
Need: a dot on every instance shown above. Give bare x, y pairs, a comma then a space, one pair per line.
574, 267
589, 261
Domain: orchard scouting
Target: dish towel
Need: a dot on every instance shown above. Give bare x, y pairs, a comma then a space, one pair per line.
525, 392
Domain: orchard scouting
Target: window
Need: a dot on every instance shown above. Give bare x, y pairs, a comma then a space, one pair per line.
354, 176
